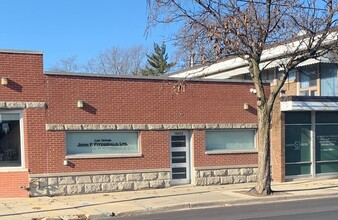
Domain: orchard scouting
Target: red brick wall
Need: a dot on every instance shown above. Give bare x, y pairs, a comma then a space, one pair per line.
35, 140
202, 160
11, 182
109, 100
25, 77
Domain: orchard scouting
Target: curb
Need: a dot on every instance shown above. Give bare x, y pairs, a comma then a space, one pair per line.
170, 208
214, 204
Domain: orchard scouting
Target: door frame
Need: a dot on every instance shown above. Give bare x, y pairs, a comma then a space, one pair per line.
187, 164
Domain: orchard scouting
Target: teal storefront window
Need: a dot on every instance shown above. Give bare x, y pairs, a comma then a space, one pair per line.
298, 143
298, 147
298, 169
298, 118
326, 148
327, 117
327, 167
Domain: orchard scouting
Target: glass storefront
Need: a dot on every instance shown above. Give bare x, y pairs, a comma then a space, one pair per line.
300, 154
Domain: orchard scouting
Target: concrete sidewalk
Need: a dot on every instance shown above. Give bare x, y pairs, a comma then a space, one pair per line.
149, 201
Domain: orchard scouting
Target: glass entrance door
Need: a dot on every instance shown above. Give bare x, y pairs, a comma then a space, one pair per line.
180, 158
298, 145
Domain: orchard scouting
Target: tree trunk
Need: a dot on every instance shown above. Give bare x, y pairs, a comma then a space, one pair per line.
264, 170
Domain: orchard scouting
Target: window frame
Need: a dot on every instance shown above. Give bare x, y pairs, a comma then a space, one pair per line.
232, 151
22, 145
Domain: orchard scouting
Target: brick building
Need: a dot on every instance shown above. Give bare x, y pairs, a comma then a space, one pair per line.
68, 133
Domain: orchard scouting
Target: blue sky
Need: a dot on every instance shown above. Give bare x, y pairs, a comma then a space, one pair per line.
63, 28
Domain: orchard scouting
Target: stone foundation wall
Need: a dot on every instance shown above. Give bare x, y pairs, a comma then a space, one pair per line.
222, 176
83, 184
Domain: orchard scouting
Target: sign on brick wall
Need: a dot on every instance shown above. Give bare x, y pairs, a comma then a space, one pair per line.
82, 143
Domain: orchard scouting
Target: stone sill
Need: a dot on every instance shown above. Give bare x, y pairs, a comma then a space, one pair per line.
12, 169
21, 105
93, 156
138, 127
231, 152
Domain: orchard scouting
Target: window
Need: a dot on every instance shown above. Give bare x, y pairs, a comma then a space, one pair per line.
311, 143
271, 74
328, 81
230, 140
101, 144
247, 76
308, 81
292, 76
10, 140
279, 75
268, 75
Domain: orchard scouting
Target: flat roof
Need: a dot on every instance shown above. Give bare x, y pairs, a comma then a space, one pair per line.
271, 58
162, 78
21, 51
310, 98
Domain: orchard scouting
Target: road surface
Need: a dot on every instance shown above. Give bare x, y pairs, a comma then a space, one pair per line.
324, 209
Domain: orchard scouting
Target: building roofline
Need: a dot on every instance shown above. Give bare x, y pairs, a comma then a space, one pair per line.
158, 78
271, 53
187, 69
21, 51
310, 98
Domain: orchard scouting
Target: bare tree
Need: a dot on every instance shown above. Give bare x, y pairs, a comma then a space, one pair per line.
249, 30
116, 60
193, 56
68, 64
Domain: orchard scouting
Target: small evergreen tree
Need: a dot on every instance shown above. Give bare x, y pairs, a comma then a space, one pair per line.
157, 62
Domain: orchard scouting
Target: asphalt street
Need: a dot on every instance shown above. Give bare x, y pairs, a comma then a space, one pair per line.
303, 209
